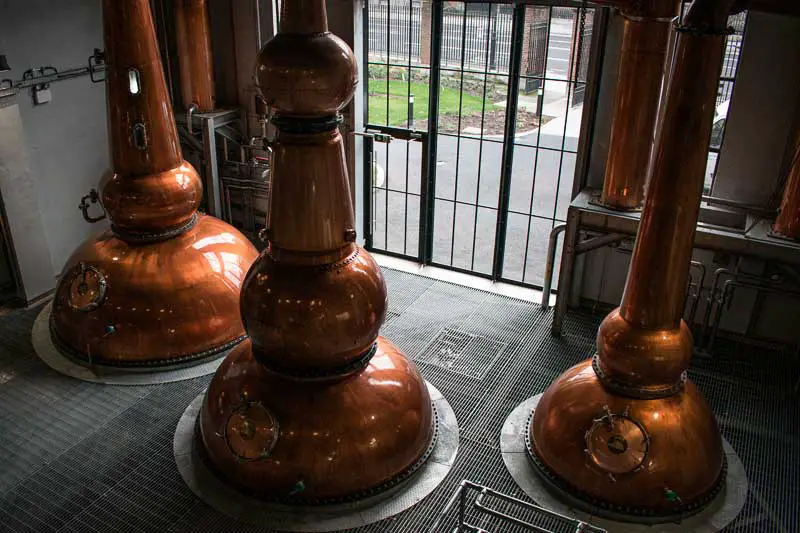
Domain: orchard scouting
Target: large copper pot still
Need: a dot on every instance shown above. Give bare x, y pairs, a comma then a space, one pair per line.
317, 408
626, 434
161, 287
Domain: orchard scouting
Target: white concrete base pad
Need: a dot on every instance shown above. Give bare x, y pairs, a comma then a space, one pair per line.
721, 512
106, 375
222, 497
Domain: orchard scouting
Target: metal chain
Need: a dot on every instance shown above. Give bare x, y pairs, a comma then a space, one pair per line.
581, 30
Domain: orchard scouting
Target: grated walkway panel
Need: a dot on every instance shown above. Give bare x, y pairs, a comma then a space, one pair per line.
79, 457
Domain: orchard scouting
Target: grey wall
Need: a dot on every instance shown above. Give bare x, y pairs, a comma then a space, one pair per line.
19, 188
66, 140
762, 110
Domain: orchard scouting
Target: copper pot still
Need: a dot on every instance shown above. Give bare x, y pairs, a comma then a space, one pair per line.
161, 287
626, 435
316, 408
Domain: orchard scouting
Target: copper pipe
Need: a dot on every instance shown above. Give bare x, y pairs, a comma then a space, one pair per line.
644, 47
161, 287
303, 17
195, 57
626, 434
317, 407
787, 225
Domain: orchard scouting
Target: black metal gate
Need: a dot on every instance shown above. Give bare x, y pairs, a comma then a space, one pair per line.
473, 113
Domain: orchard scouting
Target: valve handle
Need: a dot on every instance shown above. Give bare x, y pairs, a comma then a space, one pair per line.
86, 202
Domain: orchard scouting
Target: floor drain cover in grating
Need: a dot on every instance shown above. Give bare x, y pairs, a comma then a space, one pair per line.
462, 353
47, 352
721, 512
222, 497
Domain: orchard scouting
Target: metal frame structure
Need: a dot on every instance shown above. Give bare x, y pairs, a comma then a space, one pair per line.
430, 143
752, 241
209, 124
502, 518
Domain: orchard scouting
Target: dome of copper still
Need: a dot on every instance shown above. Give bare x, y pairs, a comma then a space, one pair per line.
161, 287
317, 408
626, 434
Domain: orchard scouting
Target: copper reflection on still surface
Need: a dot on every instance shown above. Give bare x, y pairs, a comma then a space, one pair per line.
787, 225
626, 434
195, 56
639, 82
316, 408
161, 287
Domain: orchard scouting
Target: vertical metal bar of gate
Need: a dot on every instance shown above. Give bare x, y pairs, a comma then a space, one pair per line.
369, 156
517, 35
428, 190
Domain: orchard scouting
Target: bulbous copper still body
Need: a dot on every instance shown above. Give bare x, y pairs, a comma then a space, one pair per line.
626, 434
161, 287
316, 408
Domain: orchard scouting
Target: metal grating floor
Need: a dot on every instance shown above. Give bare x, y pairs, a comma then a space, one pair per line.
80, 457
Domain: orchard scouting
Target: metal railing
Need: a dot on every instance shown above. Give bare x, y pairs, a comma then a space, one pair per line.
484, 510
395, 33
394, 30
484, 88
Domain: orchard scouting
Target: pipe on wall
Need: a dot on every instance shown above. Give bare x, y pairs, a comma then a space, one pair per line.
644, 48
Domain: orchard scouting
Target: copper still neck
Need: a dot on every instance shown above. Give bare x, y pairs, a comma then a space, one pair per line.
307, 77
303, 17
144, 139
153, 191
656, 284
645, 343
195, 58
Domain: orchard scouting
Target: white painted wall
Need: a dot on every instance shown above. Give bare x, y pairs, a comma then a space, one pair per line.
65, 141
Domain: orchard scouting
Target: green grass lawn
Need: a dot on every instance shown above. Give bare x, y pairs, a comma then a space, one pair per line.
398, 102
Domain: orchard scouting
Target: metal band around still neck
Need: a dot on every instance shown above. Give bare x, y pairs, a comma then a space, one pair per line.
148, 238
306, 125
